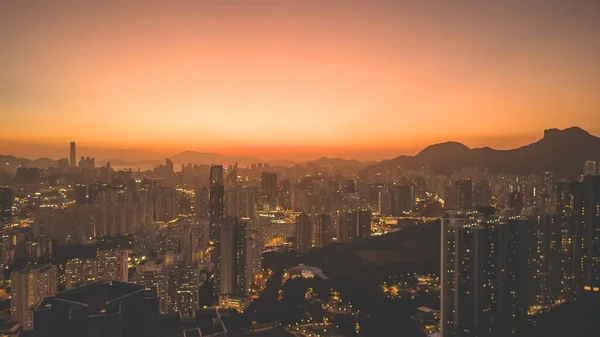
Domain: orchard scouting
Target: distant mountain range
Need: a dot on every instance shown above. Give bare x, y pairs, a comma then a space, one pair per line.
339, 162
206, 158
214, 158
560, 151
193, 157
12, 161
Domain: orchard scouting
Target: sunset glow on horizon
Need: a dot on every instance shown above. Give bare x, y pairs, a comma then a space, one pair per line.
293, 79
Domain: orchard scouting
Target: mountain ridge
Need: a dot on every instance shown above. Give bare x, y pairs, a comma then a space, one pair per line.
560, 151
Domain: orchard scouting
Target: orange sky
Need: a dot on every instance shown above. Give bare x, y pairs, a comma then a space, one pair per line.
293, 79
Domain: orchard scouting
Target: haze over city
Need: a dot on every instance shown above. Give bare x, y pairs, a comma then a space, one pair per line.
293, 79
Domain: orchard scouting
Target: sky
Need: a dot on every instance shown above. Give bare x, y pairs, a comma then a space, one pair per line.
296, 79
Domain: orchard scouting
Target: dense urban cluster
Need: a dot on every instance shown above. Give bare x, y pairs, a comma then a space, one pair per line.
169, 252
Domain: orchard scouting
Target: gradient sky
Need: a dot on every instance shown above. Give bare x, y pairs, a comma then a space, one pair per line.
293, 79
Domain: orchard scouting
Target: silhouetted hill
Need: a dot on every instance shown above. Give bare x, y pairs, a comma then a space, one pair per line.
339, 162
199, 158
560, 151
15, 161
282, 162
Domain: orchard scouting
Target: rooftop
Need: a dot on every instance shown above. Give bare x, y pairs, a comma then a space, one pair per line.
28, 268
95, 296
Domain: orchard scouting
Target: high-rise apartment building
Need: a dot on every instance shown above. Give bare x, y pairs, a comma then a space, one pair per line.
285, 194
462, 278
216, 201
268, 184
385, 203
346, 227
239, 202
165, 203
183, 284
569, 264
578, 225
202, 201
482, 194
216, 210
29, 286
155, 279
464, 194
402, 199
80, 271
255, 247
112, 265
488, 273
363, 222
354, 224
87, 163
323, 230
234, 258
589, 214
304, 233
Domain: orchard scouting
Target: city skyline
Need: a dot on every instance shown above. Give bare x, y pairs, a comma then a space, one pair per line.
299, 168
149, 159
382, 79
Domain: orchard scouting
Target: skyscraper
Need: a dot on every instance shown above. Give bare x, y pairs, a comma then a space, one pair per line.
268, 184
254, 247
565, 209
165, 203
346, 227
551, 264
233, 267
29, 286
578, 209
285, 194
202, 201
463, 302
363, 221
354, 224
402, 199
227, 252
81, 197
304, 233
511, 275
239, 202
464, 194
323, 228
385, 203
590, 233
482, 194
216, 201
72, 155
216, 209
489, 270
